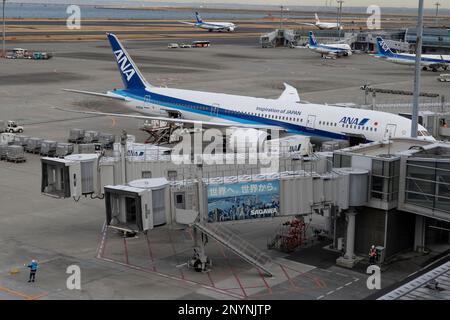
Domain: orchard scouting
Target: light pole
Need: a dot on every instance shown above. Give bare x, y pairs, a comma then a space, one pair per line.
437, 4
415, 110
4, 30
340, 2
281, 17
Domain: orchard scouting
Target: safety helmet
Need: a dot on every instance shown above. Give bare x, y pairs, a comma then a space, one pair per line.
373, 246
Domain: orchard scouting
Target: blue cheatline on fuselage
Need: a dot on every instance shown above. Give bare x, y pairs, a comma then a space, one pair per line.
206, 110
328, 48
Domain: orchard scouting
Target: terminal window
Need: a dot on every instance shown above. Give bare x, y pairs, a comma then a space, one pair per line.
146, 174
385, 180
428, 184
342, 161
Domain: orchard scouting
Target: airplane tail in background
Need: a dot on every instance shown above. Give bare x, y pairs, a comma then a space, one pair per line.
198, 17
317, 18
131, 76
383, 48
312, 39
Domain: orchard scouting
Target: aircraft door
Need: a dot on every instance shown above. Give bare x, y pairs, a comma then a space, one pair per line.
147, 103
311, 122
390, 130
215, 110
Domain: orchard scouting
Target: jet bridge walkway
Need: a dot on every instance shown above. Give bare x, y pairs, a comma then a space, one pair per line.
236, 244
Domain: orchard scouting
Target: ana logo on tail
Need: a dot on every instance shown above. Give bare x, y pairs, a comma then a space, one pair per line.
384, 45
124, 64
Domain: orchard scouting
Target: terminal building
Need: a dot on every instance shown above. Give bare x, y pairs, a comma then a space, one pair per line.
435, 40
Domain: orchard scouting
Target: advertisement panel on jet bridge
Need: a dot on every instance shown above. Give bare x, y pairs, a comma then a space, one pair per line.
245, 200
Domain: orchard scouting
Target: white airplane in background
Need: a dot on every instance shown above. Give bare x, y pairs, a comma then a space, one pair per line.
286, 114
329, 49
323, 25
428, 61
211, 26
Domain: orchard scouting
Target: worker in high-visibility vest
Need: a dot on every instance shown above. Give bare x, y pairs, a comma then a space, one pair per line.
372, 255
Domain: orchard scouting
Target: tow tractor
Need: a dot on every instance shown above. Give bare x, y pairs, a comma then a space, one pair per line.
10, 126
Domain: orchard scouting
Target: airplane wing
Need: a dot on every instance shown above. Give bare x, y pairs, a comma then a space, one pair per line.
96, 94
290, 94
188, 23
179, 121
306, 24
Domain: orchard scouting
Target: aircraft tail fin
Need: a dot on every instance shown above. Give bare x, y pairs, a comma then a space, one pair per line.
383, 48
131, 76
198, 17
317, 18
312, 39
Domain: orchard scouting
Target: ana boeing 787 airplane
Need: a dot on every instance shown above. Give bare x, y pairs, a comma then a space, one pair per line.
211, 26
428, 61
323, 25
329, 49
287, 113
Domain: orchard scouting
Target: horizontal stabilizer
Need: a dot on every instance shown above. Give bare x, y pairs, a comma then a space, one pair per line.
96, 94
188, 23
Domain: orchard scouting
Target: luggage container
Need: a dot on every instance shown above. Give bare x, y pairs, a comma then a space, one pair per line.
63, 149
33, 145
107, 140
3, 147
20, 140
91, 136
48, 148
15, 154
86, 148
76, 136
7, 138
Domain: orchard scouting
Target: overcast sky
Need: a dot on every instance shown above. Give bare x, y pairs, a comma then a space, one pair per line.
348, 3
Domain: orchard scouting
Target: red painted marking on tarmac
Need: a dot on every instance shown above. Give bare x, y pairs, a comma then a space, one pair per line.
150, 252
287, 276
101, 247
175, 254
318, 281
167, 276
234, 273
269, 289
211, 280
125, 250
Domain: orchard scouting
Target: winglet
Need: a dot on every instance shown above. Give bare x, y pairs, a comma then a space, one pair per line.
290, 94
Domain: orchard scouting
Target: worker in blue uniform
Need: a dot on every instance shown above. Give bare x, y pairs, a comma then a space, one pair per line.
33, 265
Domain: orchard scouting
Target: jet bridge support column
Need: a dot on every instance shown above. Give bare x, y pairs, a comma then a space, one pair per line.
349, 260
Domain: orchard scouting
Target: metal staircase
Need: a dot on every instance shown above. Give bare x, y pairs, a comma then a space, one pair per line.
236, 244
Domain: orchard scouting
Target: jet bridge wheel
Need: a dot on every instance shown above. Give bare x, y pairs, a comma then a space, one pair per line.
198, 265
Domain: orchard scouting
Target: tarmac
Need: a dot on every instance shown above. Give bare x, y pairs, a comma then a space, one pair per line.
59, 233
